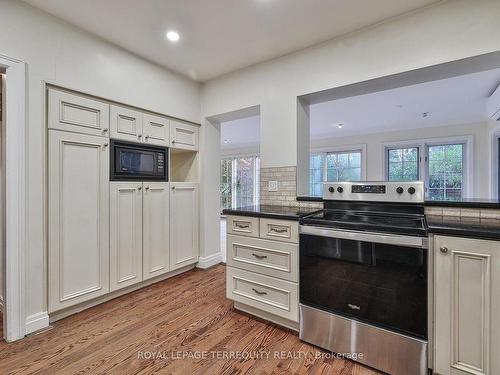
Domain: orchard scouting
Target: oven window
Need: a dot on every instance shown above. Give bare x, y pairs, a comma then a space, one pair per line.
380, 284
136, 162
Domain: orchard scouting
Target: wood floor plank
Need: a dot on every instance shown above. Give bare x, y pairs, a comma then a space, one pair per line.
188, 313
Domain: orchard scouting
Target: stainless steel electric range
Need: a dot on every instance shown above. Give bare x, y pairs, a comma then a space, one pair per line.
364, 275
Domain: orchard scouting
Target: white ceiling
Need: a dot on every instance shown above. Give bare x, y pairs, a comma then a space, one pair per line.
220, 36
452, 101
241, 133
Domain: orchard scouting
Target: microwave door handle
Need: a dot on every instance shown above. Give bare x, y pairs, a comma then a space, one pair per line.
408, 241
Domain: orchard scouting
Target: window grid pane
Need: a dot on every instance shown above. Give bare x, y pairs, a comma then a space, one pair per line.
316, 168
343, 166
403, 164
446, 171
242, 186
225, 183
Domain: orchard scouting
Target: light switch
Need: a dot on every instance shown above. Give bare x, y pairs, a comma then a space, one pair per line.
272, 186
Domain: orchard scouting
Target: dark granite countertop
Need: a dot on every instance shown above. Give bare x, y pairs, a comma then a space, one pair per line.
466, 203
464, 226
272, 212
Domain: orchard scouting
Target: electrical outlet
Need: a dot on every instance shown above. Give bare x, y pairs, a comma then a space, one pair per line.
272, 186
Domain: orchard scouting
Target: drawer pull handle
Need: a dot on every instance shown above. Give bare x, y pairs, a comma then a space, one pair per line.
259, 256
279, 230
259, 292
242, 226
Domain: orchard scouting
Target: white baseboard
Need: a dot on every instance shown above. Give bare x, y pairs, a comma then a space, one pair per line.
37, 322
209, 261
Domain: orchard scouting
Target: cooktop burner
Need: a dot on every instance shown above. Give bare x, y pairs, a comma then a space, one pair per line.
412, 224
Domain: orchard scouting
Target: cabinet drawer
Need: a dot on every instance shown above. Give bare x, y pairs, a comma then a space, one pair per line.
278, 297
279, 230
277, 259
243, 225
77, 113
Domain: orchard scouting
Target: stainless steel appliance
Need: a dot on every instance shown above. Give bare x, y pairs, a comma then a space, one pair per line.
364, 275
135, 161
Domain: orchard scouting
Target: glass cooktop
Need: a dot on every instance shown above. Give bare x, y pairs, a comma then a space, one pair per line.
369, 221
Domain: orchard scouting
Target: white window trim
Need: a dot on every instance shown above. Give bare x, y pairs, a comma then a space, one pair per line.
468, 162
349, 148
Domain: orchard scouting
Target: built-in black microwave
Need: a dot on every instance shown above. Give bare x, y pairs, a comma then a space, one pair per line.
135, 161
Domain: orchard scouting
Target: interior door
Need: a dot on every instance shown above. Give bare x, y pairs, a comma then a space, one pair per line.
156, 229
156, 130
184, 227
78, 252
125, 234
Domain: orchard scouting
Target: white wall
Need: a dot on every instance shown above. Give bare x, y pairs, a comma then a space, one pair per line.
60, 53
446, 32
375, 156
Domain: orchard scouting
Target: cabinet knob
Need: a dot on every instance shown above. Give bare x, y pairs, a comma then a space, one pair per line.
147, 187
443, 249
139, 188
173, 187
146, 137
173, 141
104, 131
139, 136
104, 145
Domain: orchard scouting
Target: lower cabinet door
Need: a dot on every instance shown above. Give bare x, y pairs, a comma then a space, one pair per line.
125, 234
156, 229
184, 228
466, 306
78, 220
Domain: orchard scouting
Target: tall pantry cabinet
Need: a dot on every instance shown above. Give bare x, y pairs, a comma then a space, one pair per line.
107, 236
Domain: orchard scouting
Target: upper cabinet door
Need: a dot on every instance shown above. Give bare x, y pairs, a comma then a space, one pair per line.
126, 124
156, 229
125, 232
156, 130
78, 246
466, 306
184, 224
184, 136
77, 113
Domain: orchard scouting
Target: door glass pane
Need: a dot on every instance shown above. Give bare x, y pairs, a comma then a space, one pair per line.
403, 164
446, 172
225, 183
316, 168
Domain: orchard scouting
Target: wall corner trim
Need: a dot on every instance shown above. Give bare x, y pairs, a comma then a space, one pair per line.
209, 261
37, 322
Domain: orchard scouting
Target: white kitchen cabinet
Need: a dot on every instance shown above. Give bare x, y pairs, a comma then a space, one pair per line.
125, 234
156, 130
126, 123
156, 229
77, 113
184, 136
184, 224
466, 306
78, 225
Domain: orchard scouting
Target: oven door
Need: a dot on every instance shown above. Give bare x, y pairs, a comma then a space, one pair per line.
131, 161
376, 279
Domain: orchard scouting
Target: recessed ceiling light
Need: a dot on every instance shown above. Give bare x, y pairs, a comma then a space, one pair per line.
226, 141
426, 114
173, 36
340, 126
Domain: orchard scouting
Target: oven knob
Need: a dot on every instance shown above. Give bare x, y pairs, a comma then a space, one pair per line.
331, 189
411, 190
340, 189
400, 190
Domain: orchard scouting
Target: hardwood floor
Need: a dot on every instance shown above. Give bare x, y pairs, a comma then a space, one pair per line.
183, 316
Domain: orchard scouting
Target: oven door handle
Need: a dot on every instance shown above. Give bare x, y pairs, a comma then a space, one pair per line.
390, 239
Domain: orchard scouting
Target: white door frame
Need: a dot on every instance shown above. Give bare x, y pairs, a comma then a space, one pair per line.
15, 131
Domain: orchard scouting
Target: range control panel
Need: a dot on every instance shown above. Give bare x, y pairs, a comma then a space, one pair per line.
412, 192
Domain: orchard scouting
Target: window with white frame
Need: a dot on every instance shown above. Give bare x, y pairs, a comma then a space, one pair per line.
240, 180
333, 166
441, 165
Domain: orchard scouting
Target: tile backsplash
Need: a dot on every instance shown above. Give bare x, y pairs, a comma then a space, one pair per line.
286, 194
483, 213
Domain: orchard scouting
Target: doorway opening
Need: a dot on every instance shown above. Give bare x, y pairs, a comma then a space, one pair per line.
239, 184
